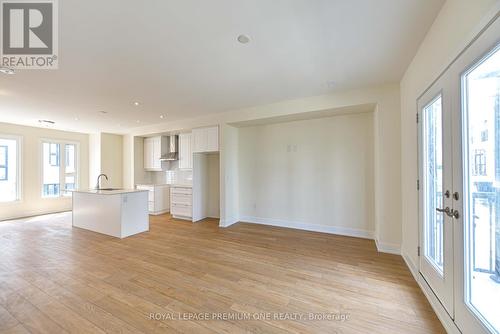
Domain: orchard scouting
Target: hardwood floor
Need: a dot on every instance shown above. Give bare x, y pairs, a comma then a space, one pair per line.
56, 279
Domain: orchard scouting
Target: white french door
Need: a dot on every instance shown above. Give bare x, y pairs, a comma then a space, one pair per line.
435, 183
476, 175
459, 164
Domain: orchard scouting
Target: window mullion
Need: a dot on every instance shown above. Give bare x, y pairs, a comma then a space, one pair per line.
62, 169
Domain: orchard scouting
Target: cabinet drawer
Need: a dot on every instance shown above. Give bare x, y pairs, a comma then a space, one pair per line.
179, 190
182, 199
181, 210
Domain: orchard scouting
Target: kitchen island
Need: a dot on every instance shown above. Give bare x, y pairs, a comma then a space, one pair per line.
116, 212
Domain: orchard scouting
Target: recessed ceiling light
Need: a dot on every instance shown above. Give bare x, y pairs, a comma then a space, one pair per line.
162, 116
243, 39
103, 111
6, 70
138, 121
137, 103
77, 119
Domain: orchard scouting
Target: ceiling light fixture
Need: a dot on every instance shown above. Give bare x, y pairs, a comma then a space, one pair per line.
138, 121
162, 116
103, 112
46, 122
137, 103
243, 39
77, 119
6, 70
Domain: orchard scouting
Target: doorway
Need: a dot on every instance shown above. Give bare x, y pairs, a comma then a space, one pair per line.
459, 186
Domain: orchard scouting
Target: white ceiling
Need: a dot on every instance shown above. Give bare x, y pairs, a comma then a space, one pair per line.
181, 58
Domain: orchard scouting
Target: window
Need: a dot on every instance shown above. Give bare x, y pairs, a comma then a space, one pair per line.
59, 168
484, 135
54, 155
9, 169
4, 163
479, 163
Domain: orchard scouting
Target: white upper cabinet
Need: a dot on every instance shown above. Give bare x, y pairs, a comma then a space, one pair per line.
185, 151
213, 139
206, 139
154, 147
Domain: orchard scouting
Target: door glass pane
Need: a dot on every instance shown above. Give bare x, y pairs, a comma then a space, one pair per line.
481, 91
51, 165
433, 183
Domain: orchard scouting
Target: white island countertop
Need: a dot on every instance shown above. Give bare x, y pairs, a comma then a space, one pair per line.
115, 212
109, 192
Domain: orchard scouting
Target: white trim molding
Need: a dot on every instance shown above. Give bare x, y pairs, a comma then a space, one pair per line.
227, 222
386, 247
440, 311
351, 232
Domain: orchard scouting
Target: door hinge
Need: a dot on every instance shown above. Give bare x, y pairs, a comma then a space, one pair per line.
418, 251
417, 117
418, 184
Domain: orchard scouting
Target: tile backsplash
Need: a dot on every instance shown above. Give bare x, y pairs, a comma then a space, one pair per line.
173, 175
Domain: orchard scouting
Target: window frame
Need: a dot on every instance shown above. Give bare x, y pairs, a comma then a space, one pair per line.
57, 155
63, 193
479, 163
6, 165
19, 169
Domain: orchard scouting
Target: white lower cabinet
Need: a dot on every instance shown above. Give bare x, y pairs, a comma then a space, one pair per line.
181, 202
158, 197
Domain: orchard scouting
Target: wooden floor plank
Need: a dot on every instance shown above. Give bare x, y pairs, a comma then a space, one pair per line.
55, 278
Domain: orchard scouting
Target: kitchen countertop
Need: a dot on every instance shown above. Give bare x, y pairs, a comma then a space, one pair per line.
108, 192
153, 185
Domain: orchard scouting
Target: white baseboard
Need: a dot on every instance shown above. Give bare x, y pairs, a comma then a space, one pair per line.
441, 313
33, 213
351, 232
228, 222
385, 247
157, 213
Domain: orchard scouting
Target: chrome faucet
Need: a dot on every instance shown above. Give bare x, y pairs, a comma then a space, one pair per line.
98, 185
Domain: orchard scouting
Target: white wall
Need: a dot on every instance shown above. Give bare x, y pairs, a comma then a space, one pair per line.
229, 185
387, 141
128, 168
106, 153
94, 158
112, 159
313, 173
456, 25
213, 185
32, 203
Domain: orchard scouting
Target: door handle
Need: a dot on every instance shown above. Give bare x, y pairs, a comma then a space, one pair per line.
449, 212
445, 210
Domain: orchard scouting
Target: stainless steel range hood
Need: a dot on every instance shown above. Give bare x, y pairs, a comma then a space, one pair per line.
173, 149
